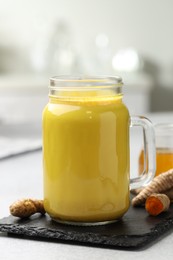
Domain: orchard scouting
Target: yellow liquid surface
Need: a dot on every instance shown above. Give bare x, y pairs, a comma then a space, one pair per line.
164, 160
86, 159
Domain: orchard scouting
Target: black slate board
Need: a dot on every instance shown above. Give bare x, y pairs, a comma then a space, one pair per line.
136, 229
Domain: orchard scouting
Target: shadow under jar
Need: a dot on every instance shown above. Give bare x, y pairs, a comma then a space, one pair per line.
86, 150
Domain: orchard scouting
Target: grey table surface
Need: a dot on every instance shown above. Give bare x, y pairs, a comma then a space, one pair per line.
21, 176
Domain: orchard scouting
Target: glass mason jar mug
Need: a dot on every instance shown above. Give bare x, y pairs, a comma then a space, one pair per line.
86, 151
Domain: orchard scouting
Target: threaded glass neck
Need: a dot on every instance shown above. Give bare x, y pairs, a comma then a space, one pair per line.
100, 85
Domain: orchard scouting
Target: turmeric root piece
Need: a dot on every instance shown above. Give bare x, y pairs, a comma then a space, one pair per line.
157, 203
168, 192
159, 184
27, 207
136, 191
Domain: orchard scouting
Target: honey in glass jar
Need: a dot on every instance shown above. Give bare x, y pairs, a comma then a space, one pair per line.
164, 149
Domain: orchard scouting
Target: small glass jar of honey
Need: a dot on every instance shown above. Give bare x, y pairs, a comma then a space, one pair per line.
164, 149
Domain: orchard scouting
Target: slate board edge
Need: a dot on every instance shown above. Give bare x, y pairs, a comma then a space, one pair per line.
120, 241
88, 238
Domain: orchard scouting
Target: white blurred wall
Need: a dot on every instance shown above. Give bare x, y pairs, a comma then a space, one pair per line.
143, 25
146, 25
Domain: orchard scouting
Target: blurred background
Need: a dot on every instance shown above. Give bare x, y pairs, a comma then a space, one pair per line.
42, 38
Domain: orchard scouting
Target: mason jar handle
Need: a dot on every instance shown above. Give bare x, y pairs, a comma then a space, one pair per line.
149, 152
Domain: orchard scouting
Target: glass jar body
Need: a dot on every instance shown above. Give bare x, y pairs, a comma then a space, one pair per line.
86, 157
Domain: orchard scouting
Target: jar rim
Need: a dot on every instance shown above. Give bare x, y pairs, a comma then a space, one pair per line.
68, 81
164, 129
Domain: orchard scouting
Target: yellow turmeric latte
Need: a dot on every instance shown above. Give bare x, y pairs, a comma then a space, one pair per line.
86, 158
